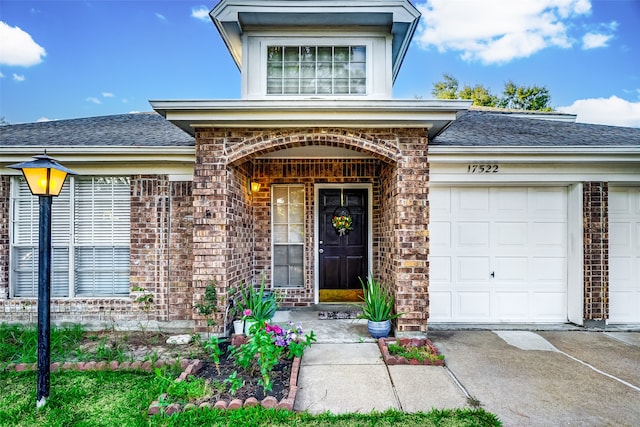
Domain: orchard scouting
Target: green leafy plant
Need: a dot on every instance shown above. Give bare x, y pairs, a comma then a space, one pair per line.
419, 353
263, 305
145, 302
208, 305
213, 348
235, 383
266, 346
378, 301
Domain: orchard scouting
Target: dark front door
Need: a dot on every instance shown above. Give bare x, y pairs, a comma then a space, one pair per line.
342, 258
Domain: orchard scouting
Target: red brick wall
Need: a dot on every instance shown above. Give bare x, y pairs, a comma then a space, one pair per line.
149, 238
179, 291
596, 251
229, 249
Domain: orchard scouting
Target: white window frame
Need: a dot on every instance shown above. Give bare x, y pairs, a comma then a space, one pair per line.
288, 223
60, 241
254, 76
332, 78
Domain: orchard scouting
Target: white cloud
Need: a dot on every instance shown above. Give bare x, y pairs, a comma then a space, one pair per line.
612, 111
497, 31
18, 77
160, 16
18, 47
43, 119
201, 13
94, 100
107, 95
594, 40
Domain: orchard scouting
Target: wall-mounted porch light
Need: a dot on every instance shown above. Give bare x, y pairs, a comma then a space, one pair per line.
255, 187
45, 178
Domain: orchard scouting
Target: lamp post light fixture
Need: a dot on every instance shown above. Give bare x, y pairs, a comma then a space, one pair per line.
45, 178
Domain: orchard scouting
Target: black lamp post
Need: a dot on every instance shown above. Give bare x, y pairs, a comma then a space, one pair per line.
45, 177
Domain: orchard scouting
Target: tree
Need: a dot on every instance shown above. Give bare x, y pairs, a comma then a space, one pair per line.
480, 96
3, 122
525, 97
535, 98
447, 89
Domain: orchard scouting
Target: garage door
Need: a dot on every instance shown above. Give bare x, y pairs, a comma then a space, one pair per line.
498, 254
624, 255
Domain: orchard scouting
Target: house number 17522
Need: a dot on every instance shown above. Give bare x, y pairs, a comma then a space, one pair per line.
482, 168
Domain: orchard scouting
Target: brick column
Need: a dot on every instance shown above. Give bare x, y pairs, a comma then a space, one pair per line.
596, 253
149, 235
411, 235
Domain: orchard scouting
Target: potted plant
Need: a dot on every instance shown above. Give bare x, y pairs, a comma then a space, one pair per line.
378, 307
258, 305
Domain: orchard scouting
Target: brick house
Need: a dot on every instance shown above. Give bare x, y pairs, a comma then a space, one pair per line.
470, 216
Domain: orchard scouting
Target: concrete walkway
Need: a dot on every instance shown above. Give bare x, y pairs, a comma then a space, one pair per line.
543, 378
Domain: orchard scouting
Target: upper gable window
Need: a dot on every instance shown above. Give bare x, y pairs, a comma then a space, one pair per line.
316, 70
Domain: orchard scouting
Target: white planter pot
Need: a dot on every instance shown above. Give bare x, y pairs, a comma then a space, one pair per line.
238, 327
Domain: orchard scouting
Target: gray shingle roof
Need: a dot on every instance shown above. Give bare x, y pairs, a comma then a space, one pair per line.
493, 129
124, 130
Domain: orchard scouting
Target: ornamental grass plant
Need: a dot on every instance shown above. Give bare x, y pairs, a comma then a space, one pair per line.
378, 301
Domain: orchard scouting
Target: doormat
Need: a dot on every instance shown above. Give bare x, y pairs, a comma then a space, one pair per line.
332, 315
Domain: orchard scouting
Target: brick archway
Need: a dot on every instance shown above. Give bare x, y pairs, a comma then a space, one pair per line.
356, 140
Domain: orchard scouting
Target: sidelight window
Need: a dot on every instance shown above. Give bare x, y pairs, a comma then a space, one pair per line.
288, 235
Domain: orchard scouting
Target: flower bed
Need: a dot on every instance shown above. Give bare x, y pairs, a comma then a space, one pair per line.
195, 366
426, 353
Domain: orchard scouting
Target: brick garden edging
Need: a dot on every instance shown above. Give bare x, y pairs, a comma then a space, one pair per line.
96, 366
389, 359
268, 402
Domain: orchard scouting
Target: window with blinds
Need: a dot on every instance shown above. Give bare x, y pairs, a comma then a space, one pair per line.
316, 70
288, 235
90, 238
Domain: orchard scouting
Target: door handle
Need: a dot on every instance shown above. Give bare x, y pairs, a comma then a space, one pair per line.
321, 251
493, 274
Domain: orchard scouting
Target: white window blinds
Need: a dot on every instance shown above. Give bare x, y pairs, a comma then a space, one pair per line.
90, 243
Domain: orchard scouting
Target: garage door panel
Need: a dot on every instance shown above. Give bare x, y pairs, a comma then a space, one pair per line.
511, 270
624, 255
472, 270
440, 234
471, 201
517, 233
440, 270
549, 202
439, 202
549, 271
511, 234
549, 306
474, 306
472, 235
510, 201
550, 235
512, 306
622, 232
440, 305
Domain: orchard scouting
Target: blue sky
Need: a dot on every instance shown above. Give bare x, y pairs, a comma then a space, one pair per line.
67, 59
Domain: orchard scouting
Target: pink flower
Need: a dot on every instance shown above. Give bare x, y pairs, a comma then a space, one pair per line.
247, 312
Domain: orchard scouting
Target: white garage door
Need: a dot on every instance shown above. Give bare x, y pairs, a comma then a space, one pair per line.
498, 254
624, 255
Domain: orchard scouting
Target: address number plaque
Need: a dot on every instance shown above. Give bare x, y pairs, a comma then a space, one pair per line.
483, 168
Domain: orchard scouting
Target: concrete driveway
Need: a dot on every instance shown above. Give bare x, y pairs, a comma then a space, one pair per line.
550, 378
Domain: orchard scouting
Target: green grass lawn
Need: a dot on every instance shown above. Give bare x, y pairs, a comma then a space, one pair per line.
122, 399
105, 398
